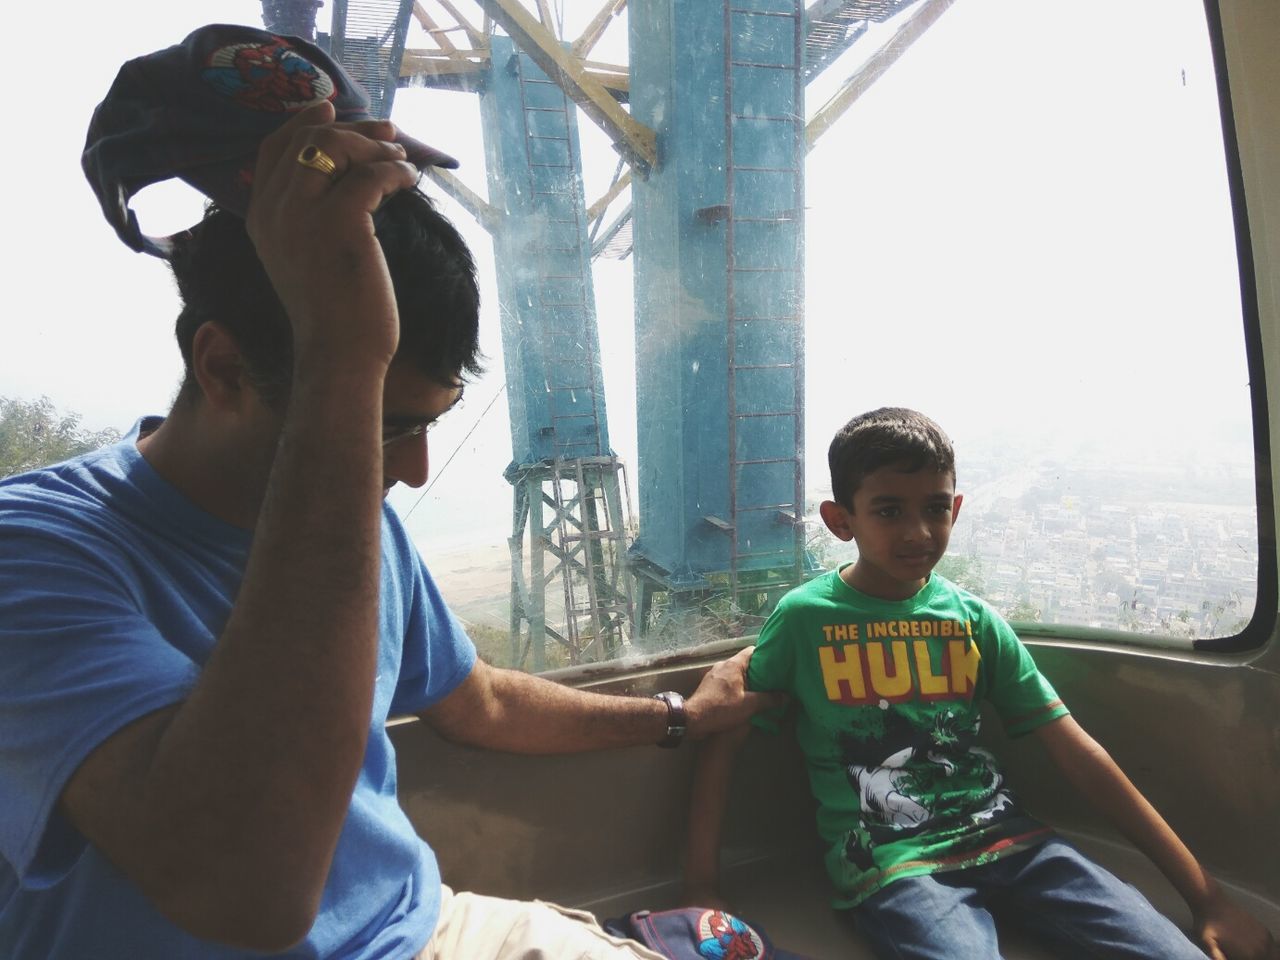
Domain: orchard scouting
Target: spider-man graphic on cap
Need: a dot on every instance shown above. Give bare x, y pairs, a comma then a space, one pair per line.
725, 937
267, 76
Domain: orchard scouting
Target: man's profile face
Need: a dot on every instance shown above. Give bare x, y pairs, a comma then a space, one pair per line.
411, 404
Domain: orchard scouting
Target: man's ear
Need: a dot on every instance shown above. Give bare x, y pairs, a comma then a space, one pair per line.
836, 518
218, 366
955, 506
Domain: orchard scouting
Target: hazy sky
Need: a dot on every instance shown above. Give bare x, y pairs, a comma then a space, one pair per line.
1022, 229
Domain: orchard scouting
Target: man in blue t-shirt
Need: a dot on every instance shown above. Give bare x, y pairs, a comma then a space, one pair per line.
204, 628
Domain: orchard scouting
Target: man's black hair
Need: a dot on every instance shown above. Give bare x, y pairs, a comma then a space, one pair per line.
220, 278
888, 437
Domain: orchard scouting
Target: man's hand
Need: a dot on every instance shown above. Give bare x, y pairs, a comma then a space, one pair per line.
722, 699
1229, 932
314, 232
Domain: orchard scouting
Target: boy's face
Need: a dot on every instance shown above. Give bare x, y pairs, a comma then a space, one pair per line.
902, 523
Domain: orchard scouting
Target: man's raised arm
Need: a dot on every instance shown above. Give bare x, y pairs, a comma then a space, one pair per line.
226, 809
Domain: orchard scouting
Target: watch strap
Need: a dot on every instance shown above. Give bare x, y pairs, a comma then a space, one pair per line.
677, 718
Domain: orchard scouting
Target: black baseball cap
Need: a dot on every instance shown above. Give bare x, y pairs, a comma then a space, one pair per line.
199, 110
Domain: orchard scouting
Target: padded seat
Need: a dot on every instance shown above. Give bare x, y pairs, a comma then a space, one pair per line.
789, 898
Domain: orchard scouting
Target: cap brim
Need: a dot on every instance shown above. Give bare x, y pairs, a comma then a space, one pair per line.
227, 184
422, 156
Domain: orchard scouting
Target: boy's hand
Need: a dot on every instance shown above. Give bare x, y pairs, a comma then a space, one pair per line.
722, 699
1229, 932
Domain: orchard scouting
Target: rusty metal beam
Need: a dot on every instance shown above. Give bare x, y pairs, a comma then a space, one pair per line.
419, 61
472, 202
618, 84
544, 14
631, 138
439, 71
597, 27
439, 35
597, 209
908, 32
479, 38
469, 67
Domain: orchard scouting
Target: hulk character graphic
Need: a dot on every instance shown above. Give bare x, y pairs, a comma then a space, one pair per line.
914, 768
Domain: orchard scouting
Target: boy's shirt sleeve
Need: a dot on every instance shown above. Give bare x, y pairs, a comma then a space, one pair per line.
772, 666
1021, 694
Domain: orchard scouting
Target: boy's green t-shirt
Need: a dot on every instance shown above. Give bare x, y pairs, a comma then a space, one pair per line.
888, 696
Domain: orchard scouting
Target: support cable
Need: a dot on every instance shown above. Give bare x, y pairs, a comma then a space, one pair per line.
461, 444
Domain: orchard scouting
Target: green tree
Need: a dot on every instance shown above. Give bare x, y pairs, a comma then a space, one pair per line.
966, 572
1024, 612
34, 433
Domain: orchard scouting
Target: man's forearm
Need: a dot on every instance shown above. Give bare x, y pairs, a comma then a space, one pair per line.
513, 711
519, 713
290, 681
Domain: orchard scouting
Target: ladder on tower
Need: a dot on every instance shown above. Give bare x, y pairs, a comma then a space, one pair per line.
764, 235
561, 264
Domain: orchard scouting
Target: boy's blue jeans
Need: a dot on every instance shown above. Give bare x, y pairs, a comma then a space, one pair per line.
1064, 899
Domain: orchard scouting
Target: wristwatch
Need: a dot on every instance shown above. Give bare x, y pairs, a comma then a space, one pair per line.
677, 719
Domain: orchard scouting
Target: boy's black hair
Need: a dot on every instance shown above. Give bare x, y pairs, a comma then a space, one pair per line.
887, 437
220, 278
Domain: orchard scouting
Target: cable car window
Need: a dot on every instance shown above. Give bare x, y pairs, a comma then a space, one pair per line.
709, 234
1017, 225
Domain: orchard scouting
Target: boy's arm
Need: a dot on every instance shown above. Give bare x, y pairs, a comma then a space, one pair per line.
1226, 930
712, 776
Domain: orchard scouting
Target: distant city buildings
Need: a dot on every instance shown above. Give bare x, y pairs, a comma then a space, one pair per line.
1137, 548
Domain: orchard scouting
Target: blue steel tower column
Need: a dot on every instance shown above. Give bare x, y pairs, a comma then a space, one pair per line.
561, 453
718, 274
548, 320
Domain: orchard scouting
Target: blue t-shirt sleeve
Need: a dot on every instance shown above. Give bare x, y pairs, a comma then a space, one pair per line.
438, 655
78, 661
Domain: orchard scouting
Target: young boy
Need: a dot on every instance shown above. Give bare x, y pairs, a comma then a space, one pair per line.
887, 664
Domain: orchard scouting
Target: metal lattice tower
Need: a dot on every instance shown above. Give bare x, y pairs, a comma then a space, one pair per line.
295, 18
368, 39
570, 513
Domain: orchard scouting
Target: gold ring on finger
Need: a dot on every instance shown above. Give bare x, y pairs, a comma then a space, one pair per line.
315, 158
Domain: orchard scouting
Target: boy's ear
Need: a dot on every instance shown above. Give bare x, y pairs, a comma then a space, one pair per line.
836, 517
955, 506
